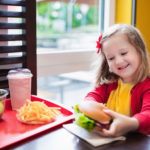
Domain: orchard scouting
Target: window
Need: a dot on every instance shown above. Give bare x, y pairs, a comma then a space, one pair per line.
68, 47
67, 25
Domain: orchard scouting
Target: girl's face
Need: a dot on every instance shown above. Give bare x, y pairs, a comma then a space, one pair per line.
123, 59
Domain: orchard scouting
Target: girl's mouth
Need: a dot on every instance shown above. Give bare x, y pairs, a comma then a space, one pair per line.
123, 67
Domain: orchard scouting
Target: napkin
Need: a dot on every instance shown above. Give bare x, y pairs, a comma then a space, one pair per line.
92, 138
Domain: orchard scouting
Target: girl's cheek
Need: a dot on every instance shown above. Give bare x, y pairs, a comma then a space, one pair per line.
110, 65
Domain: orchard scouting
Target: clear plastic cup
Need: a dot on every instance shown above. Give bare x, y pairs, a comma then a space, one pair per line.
3, 94
20, 87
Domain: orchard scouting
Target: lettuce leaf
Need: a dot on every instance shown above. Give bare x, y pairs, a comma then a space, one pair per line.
83, 121
76, 108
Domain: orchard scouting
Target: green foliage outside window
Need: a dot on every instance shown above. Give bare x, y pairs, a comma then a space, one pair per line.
48, 14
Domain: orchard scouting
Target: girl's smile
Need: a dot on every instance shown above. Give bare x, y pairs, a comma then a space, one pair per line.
122, 57
123, 67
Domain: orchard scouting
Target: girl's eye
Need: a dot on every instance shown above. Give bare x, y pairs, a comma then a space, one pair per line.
124, 53
111, 58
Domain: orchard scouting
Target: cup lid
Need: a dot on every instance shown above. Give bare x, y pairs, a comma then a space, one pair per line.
20, 72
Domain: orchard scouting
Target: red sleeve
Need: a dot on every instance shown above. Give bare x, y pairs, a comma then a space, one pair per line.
98, 94
101, 93
144, 115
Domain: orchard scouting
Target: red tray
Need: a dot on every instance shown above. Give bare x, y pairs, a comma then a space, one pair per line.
12, 131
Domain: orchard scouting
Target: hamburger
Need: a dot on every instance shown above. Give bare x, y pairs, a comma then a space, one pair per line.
90, 115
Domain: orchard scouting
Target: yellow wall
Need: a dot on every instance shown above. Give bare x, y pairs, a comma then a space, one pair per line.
123, 11
143, 19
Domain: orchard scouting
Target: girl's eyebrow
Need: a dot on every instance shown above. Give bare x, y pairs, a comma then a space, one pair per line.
124, 48
109, 56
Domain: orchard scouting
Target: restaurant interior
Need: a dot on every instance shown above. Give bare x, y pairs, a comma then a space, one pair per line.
56, 41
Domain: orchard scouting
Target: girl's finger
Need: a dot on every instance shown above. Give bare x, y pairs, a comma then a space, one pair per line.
106, 132
111, 131
111, 113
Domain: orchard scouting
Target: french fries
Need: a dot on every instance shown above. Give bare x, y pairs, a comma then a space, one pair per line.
37, 113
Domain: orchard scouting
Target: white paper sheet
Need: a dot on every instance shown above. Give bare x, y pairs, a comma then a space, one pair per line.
90, 137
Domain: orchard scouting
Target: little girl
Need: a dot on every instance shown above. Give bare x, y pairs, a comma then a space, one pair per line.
122, 80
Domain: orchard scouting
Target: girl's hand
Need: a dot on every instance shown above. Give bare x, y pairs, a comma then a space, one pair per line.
121, 124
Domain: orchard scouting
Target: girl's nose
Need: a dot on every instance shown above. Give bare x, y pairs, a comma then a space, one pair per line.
118, 60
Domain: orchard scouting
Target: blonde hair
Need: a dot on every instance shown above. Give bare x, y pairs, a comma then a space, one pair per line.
134, 37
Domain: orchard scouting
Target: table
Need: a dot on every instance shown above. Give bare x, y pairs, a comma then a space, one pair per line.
60, 139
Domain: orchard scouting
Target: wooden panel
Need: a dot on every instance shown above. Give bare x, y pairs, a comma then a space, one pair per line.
31, 41
12, 25
8, 37
27, 25
12, 60
11, 49
12, 14
4, 84
12, 2
3, 72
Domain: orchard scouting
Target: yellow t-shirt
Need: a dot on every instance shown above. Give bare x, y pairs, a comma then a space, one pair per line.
119, 99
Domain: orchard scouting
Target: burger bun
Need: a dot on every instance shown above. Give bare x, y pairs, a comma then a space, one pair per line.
94, 110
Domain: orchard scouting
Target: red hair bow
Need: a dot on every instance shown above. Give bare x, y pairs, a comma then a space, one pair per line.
99, 45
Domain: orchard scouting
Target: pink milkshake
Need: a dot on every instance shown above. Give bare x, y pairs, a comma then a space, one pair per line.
19, 86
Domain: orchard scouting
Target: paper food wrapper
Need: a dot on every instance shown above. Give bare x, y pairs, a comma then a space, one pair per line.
92, 138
